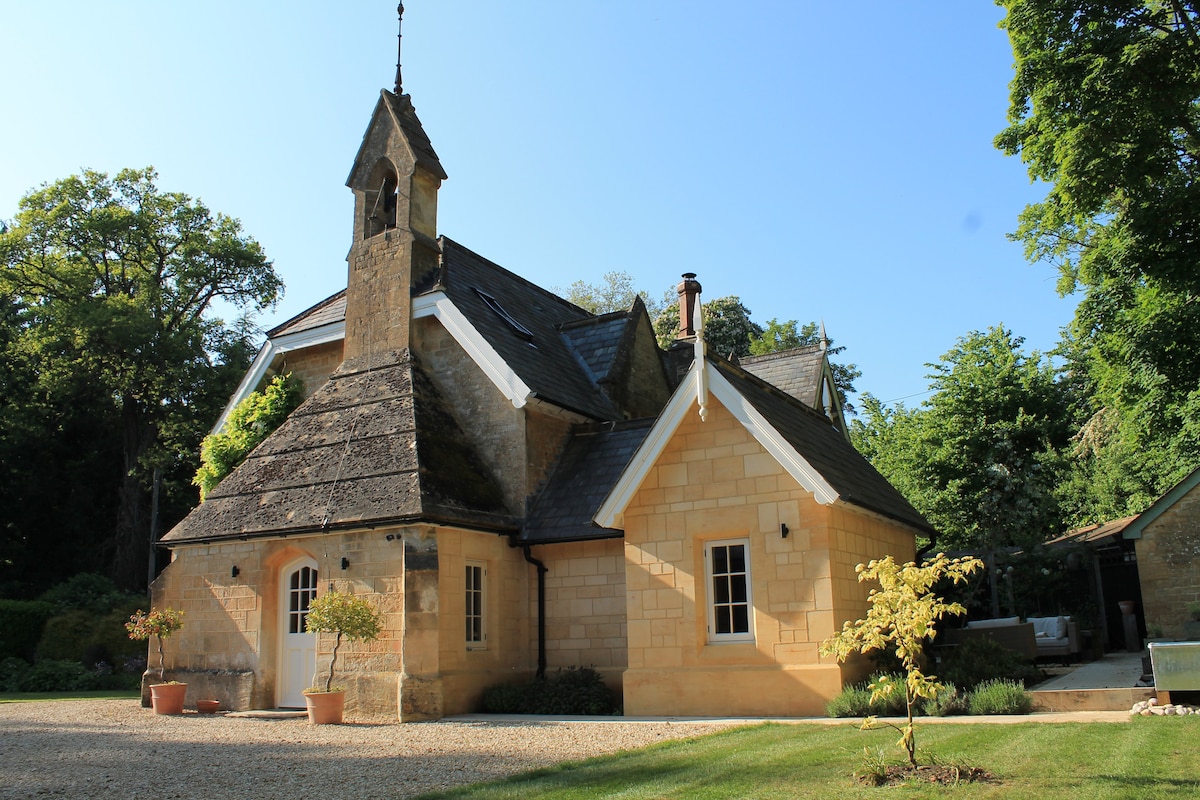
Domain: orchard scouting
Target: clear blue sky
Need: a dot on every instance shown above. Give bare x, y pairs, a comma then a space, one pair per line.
820, 160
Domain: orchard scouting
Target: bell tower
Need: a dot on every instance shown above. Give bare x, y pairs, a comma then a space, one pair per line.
395, 180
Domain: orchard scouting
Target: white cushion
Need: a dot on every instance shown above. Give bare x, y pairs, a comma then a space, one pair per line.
1049, 627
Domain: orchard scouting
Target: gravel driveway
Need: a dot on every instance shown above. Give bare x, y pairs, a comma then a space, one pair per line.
117, 749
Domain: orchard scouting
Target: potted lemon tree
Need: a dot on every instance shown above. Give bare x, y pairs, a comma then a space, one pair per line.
348, 616
166, 697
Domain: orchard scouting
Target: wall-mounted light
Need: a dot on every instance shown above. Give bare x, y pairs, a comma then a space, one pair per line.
783, 529
233, 573
345, 563
390, 537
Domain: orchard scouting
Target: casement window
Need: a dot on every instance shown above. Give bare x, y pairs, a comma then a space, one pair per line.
476, 605
727, 570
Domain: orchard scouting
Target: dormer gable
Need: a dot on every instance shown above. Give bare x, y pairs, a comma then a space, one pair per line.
804, 373
621, 355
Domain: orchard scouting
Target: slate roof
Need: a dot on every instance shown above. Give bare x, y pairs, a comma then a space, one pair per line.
824, 447
405, 114
797, 371
591, 463
329, 311
597, 341
375, 444
543, 359
569, 354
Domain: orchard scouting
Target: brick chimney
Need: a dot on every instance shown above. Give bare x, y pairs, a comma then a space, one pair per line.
689, 290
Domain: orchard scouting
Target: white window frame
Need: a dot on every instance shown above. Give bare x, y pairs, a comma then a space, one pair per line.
715, 608
475, 605
299, 593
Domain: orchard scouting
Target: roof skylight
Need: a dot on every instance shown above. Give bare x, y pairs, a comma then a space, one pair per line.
498, 309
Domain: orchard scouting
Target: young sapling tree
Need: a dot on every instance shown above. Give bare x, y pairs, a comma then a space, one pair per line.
158, 623
902, 615
342, 614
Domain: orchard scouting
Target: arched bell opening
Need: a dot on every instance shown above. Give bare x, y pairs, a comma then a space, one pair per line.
382, 198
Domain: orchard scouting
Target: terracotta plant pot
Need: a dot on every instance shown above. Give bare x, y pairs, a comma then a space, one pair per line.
208, 706
1127, 606
325, 708
167, 698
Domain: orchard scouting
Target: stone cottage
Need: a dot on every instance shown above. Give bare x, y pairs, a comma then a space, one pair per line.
1166, 539
519, 485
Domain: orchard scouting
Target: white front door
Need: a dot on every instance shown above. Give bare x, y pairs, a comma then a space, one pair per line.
298, 650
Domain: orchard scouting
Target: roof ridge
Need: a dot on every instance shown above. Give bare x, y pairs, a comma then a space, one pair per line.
770, 388
607, 316
791, 351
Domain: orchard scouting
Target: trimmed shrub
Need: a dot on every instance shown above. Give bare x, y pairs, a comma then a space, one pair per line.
1000, 697
506, 698
82, 635
574, 690
11, 672
90, 592
58, 676
855, 701
978, 660
947, 703
21, 624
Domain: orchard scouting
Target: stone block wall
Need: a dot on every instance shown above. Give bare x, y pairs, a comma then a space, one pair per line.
312, 366
378, 295
585, 606
232, 625
714, 481
491, 423
505, 655
643, 387
1168, 560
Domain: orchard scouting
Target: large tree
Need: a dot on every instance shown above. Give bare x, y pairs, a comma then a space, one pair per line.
114, 282
982, 456
615, 292
728, 329
1105, 108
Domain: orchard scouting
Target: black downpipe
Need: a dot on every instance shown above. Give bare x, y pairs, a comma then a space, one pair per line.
933, 537
541, 610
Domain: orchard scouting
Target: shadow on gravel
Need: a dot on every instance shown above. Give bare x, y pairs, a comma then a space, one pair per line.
204, 757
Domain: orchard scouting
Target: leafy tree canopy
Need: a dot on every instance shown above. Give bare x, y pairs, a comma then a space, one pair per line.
982, 457
615, 292
1105, 108
728, 328
113, 282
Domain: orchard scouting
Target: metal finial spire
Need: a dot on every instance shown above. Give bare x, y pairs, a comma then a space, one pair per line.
399, 38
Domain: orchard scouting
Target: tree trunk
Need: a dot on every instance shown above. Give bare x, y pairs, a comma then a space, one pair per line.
131, 540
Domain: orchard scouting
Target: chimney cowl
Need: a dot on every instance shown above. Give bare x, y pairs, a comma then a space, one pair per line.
689, 289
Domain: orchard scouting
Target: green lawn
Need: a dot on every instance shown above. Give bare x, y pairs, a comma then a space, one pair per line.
99, 694
1145, 758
